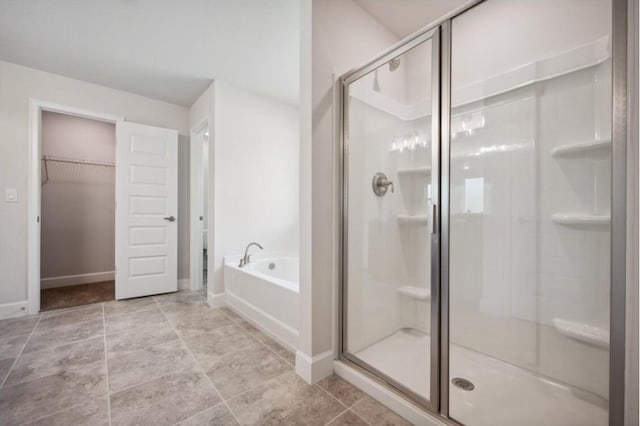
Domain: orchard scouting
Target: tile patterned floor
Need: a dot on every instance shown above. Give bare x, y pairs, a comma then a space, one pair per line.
162, 360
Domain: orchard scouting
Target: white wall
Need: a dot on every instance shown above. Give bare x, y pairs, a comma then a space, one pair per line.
336, 35
17, 85
255, 175
78, 201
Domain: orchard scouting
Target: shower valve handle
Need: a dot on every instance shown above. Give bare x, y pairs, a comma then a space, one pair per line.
380, 184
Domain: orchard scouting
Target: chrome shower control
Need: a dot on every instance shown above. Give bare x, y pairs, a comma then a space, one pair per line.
380, 184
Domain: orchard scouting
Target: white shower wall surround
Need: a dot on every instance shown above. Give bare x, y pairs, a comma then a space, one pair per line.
511, 178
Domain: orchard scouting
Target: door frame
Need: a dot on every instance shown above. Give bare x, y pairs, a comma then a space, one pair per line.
34, 191
196, 185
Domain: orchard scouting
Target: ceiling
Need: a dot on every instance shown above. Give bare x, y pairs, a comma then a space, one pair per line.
403, 17
165, 49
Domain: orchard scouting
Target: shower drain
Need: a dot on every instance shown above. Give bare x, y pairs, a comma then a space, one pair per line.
463, 384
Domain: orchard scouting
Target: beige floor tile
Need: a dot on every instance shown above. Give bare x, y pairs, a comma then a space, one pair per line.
91, 413
377, 414
164, 401
41, 397
46, 362
126, 306
283, 352
209, 347
116, 322
43, 338
200, 323
348, 418
72, 316
286, 399
17, 326
147, 364
342, 390
214, 416
245, 369
132, 340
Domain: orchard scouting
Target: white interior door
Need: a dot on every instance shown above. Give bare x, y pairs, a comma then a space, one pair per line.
146, 210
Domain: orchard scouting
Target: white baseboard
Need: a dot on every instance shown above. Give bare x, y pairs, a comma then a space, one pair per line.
184, 284
216, 300
403, 407
271, 326
13, 310
313, 369
67, 280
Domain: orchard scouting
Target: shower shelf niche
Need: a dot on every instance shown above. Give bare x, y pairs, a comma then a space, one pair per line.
419, 219
416, 293
597, 146
581, 219
585, 333
418, 171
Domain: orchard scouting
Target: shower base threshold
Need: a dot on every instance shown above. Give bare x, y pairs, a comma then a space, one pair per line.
502, 393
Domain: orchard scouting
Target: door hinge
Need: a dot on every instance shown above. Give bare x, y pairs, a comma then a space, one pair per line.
38, 219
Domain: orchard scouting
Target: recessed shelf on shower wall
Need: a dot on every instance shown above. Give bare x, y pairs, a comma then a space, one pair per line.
418, 219
416, 293
585, 333
598, 146
581, 219
418, 171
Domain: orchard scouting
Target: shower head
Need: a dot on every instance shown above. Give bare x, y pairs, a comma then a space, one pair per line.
394, 64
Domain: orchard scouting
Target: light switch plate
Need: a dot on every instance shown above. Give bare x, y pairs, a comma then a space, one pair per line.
10, 195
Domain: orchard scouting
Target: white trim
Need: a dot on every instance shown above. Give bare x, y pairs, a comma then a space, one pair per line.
13, 309
401, 406
313, 369
271, 326
33, 225
184, 284
216, 300
196, 185
67, 280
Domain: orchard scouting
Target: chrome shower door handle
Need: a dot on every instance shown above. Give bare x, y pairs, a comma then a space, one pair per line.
380, 184
170, 218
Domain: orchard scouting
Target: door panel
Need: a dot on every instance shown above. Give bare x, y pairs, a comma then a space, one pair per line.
388, 178
146, 210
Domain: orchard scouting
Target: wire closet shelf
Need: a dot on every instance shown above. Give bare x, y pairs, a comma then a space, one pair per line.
73, 168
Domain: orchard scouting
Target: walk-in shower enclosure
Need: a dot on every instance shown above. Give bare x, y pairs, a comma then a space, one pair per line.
479, 276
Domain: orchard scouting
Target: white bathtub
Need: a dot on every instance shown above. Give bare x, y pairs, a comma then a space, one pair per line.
265, 292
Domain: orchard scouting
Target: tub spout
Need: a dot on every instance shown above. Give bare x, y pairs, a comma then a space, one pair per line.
247, 257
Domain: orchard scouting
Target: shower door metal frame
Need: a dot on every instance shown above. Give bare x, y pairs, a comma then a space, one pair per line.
440, 32
432, 34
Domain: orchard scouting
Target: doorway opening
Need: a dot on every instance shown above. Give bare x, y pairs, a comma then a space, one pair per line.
77, 249
200, 216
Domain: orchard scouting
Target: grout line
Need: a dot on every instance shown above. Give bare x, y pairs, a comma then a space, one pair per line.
236, 322
198, 366
257, 386
329, 393
15, 361
341, 413
30, 422
358, 415
349, 408
106, 364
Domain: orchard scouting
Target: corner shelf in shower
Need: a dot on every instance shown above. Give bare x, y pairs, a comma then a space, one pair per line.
416, 293
568, 150
585, 333
418, 171
419, 219
580, 219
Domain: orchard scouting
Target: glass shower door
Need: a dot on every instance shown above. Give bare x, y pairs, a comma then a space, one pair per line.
387, 228
529, 223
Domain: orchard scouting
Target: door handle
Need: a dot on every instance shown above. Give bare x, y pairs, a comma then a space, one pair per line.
170, 218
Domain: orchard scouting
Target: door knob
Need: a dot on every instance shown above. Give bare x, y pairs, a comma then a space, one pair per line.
170, 218
380, 184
